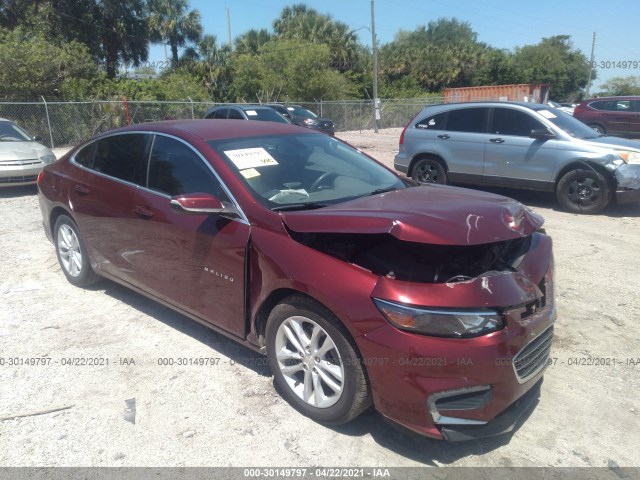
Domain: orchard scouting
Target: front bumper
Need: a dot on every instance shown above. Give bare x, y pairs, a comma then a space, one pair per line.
458, 389
627, 196
15, 175
503, 423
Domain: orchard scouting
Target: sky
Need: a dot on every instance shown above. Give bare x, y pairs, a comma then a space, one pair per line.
498, 23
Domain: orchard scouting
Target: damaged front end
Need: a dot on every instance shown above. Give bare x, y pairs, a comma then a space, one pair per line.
387, 256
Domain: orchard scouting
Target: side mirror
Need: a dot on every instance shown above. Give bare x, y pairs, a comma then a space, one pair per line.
542, 134
37, 138
202, 204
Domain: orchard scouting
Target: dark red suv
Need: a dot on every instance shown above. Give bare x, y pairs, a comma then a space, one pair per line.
616, 116
433, 303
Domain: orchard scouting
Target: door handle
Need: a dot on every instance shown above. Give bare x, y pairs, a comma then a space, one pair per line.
81, 190
497, 140
143, 212
444, 136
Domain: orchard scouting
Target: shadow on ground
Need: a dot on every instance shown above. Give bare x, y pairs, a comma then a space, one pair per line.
387, 434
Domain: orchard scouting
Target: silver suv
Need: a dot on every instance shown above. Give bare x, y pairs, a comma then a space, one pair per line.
520, 145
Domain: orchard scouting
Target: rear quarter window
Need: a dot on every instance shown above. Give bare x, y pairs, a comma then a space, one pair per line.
433, 122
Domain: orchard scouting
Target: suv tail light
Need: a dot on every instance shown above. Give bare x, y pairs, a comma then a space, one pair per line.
405, 129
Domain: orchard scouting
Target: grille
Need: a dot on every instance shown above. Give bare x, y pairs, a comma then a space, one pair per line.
533, 358
19, 179
19, 163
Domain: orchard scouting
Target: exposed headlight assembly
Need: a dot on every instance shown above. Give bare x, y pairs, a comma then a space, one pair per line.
440, 322
48, 159
630, 157
310, 121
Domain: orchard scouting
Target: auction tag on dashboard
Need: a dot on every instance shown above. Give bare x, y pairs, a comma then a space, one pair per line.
250, 173
546, 114
250, 158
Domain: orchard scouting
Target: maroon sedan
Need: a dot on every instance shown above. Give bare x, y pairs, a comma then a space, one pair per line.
433, 303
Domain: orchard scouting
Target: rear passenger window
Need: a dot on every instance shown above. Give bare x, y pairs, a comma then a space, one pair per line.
85, 156
434, 122
513, 122
472, 120
235, 115
176, 169
123, 157
221, 113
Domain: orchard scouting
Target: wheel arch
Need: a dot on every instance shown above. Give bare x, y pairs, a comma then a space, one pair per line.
425, 155
275, 298
597, 124
56, 212
584, 164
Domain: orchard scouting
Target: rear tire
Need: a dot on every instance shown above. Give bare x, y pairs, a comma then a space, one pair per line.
72, 253
429, 170
583, 191
314, 364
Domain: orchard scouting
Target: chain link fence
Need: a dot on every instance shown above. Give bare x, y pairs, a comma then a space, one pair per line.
63, 124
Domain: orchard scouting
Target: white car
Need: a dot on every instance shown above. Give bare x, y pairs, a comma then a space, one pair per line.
21, 157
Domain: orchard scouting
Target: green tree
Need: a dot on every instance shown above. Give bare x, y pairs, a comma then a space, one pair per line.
289, 69
171, 21
252, 40
211, 64
556, 62
446, 53
300, 22
33, 66
621, 86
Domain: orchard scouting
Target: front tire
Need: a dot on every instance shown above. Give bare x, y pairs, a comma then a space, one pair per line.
429, 170
72, 253
583, 191
598, 128
314, 364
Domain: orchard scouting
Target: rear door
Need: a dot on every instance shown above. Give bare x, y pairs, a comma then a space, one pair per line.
196, 262
101, 196
512, 157
463, 143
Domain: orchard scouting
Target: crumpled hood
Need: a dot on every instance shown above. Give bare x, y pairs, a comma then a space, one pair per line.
434, 214
22, 151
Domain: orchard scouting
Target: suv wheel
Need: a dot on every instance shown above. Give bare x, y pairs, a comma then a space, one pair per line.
583, 191
429, 170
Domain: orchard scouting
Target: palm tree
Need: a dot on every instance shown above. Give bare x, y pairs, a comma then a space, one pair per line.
171, 20
252, 40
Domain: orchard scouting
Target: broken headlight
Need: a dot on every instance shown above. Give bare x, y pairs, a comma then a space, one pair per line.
440, 322
630, 157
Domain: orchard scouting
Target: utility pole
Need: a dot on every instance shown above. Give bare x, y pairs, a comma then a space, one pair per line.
376, 100
229, 28
593, 51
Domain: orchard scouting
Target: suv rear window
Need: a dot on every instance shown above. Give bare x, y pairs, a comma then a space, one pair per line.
472, 120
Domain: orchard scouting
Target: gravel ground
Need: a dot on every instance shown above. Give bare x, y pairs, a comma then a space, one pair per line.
135, 412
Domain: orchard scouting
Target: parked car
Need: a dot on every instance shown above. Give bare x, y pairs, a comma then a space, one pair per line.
303, 117
21, 156
565, 107
433, 303
611, 115
245, 112
520, 145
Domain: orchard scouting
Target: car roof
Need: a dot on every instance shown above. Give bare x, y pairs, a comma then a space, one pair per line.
243, 106
620, 97
220, 129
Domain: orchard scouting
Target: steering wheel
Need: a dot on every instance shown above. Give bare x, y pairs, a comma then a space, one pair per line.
318, 182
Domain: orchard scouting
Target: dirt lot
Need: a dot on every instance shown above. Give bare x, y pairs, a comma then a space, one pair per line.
228, 414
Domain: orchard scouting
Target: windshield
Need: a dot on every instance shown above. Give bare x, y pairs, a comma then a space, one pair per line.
566, 122
10, 132
298, 171
265, 114
302, 112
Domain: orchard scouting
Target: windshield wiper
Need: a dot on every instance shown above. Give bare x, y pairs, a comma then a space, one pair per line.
298, 206
383, 190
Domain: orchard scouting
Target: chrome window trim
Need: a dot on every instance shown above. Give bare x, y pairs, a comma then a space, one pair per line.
243, 218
